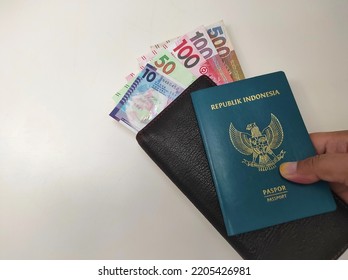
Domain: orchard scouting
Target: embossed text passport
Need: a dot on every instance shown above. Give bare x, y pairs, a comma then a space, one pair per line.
249, 128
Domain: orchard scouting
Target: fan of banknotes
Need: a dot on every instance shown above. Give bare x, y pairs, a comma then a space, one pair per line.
170, 67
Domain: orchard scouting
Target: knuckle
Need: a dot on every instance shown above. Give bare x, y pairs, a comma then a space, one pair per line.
314, 161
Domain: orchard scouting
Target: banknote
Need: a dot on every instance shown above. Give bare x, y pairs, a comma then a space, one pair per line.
145, 58
130, 77
117, 97
145, 98
163, 45
218, 34
167, 64
201, 40
170, 67
186, 52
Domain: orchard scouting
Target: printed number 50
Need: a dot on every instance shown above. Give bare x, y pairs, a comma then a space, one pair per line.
167, 67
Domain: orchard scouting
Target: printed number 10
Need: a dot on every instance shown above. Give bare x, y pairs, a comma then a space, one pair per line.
150, 76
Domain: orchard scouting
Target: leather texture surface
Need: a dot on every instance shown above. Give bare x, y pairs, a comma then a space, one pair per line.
173, 142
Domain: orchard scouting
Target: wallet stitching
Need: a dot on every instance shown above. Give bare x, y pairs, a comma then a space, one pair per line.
184, 93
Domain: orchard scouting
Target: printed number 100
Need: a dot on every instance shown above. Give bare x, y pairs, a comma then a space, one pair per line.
185, 52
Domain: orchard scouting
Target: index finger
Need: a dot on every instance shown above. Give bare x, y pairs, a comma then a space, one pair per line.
330, 142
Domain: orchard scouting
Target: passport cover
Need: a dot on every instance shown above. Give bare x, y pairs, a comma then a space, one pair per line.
172, 140
248, 128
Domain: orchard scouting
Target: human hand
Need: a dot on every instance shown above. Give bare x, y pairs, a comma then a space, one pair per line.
330, 164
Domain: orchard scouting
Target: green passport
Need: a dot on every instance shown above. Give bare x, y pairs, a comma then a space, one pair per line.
249, 128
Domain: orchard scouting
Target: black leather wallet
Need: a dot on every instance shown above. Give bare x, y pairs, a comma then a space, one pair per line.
173, 142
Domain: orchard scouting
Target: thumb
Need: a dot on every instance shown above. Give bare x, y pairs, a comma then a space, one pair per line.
328, 167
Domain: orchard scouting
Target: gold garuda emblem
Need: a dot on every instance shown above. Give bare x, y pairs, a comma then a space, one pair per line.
259, 144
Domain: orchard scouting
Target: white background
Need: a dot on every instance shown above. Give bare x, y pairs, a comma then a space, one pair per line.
74, 184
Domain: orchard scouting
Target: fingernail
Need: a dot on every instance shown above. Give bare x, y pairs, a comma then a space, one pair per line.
288, 168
